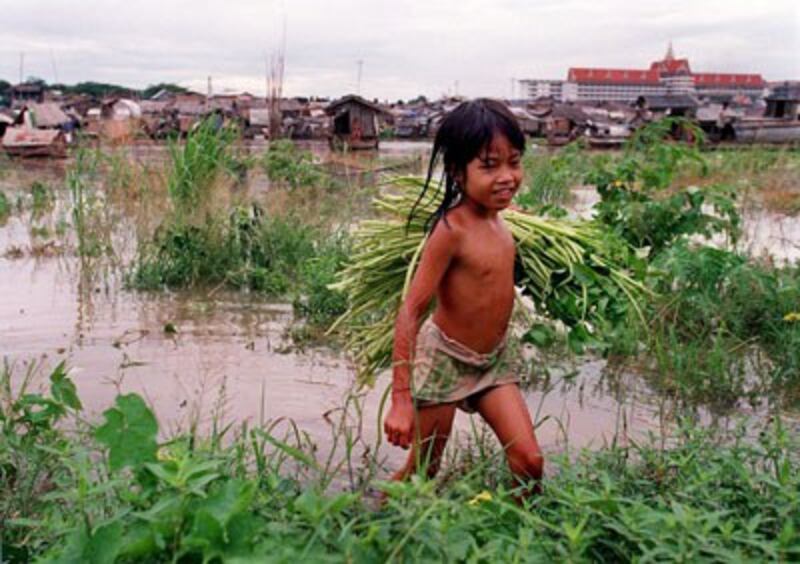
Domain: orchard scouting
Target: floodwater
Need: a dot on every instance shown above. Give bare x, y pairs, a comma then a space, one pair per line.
229, 358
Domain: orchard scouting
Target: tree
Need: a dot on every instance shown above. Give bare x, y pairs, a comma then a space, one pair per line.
154, 89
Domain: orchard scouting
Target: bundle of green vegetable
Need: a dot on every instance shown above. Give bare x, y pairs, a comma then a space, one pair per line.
575, 272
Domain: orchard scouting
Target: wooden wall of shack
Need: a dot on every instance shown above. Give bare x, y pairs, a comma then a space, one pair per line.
354, 124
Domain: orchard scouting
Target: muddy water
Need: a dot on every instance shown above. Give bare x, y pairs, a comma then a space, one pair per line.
229, 358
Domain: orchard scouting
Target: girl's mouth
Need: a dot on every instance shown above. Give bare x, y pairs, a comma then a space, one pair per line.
505, 192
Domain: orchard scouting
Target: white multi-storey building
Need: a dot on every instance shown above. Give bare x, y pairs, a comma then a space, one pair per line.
665, 77
532, 89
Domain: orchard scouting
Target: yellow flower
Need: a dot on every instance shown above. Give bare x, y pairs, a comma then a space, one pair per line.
793, 316
617, 183
483, 496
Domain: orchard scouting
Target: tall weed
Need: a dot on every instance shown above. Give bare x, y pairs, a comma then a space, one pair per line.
198, 161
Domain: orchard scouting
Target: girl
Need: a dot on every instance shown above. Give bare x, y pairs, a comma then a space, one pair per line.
459, 354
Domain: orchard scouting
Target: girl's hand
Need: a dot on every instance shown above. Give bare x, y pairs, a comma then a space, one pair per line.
399, 422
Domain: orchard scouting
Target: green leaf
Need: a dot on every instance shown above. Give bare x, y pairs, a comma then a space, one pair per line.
63, 389
129, 432
540, 335
232, 498
100, 547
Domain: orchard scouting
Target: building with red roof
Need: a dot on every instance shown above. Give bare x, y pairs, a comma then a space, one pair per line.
668, 76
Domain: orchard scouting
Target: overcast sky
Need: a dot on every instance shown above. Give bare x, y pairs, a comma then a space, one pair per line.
407, 47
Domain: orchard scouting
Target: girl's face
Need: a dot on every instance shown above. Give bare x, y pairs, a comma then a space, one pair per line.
495, 175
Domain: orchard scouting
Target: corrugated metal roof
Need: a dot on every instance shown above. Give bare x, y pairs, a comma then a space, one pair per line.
353, 98
25, 137
48, 114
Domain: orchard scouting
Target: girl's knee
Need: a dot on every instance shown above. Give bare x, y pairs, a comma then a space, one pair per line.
526, 463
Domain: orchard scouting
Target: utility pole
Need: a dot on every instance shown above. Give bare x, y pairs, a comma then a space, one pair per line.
512, 87
21, 65
210, 90
360, 64
53, 62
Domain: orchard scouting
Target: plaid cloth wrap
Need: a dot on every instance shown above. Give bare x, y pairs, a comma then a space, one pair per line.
446, 371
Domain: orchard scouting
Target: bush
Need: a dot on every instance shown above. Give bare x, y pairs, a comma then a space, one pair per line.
720, 305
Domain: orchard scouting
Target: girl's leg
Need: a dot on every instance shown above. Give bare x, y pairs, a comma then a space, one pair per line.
433, 425
505, 411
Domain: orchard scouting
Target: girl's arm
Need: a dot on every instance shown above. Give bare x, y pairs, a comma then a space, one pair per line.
436, 258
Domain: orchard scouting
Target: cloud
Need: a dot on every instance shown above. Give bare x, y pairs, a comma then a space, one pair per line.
407, 47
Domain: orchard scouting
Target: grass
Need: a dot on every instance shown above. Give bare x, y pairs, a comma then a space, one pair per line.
42, 198
765, 177
199, 161
5, 207
550, 177
287, 165
112, 491
92, 218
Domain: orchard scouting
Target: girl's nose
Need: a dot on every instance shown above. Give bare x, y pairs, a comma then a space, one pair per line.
507, 174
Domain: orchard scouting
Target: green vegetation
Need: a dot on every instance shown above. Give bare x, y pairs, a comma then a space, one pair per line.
550, 177
198, 162
724, 328
721, 332
240, 246
245, 250
99, 89
154, 89
114, 492
285, 164
574, 271
5, 92
639, 201
90, 216
5, 207
42, 198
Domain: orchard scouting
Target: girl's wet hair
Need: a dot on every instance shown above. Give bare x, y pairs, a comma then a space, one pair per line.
463, 135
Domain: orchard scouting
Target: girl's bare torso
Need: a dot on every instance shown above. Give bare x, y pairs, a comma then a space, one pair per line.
476, 294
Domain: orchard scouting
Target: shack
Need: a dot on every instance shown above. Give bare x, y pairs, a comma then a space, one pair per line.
784, 102
26, 142
781, 120
355, 123
565, 123
674, 105
25, 93
48, 115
